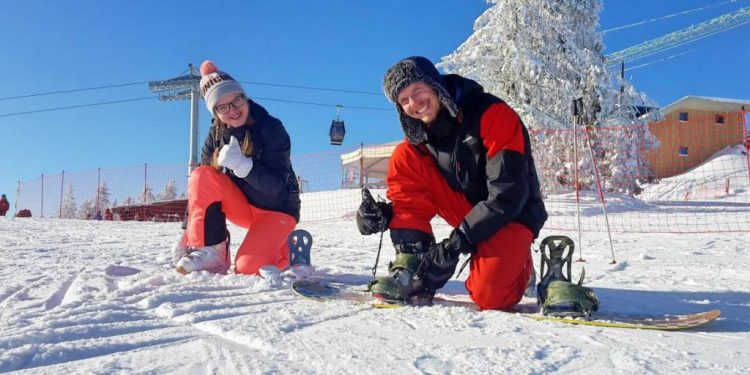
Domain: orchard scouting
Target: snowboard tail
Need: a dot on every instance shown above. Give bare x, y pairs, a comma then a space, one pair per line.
660, 323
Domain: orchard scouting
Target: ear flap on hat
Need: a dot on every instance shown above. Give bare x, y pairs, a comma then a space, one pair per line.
405, 72
413, 128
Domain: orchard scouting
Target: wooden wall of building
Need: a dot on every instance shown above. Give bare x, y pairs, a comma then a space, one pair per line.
701, 135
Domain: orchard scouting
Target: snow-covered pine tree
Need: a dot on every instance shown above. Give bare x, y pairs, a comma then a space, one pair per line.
146, 196
169, 192
68, 205
540, 55
87, 209
103, 195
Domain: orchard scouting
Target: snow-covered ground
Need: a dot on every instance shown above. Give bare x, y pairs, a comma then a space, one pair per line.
102, 297
98, 297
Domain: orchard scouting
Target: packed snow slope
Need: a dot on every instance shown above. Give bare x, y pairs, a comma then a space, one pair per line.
83, 297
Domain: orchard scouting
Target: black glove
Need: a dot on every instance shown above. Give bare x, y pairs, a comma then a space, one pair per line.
373, 217
438, 265
458, 243
441, 261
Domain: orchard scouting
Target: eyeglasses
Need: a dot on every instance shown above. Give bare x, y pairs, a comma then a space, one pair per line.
237, 102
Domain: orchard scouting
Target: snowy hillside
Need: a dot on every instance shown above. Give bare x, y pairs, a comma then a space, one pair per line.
82, 297
723, 176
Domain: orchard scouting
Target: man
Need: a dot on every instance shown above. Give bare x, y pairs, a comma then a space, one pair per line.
466, 158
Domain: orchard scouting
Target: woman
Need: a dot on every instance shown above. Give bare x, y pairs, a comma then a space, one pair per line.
245, 176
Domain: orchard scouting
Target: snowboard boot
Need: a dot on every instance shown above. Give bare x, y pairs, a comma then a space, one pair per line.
180, 249
402, 285
384, 288
556, 294
530, 290
298, 271
215, 258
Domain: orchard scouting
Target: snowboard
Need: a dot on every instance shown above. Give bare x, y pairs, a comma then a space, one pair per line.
325, 292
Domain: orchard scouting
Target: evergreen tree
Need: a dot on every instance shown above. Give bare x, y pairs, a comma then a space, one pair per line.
68, 206
87, 209
169, 192
146, 196
103, 194
539, 56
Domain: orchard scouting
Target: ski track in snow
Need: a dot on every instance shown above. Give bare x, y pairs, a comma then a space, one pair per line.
102, 297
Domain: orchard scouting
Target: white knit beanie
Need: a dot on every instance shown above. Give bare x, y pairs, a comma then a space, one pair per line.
215, 84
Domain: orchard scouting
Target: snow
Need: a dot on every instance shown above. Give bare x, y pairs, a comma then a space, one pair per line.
81, 296
102, 297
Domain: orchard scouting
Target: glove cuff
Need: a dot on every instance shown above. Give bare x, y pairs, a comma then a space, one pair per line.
387, 210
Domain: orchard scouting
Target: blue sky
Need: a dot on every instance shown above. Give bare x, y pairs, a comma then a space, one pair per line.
49, 46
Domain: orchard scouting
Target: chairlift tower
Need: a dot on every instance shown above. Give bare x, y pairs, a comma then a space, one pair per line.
182, 88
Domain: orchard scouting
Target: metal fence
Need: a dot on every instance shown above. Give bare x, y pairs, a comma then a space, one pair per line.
712, 196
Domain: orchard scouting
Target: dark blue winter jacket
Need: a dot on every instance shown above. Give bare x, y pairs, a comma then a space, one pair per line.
271, 184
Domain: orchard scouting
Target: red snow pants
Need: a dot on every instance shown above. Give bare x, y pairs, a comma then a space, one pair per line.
502, 265
266, 240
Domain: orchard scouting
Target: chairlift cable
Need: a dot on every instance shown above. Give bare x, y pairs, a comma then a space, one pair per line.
640, 23
72, 90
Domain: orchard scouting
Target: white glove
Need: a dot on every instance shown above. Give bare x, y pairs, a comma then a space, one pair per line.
231, 157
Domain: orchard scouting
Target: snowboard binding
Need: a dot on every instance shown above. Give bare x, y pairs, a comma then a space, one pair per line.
402, 285
558, 295
300, 243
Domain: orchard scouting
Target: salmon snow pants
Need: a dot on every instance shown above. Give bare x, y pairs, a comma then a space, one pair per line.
502, 265
214, 198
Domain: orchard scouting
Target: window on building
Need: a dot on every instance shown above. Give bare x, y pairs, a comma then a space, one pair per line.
719, 119
683, 116
683, 151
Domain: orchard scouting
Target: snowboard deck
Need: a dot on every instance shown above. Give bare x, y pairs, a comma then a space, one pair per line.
325, 292
657, 322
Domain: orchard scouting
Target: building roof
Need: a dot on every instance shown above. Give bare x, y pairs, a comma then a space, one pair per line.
373, 159
704, 103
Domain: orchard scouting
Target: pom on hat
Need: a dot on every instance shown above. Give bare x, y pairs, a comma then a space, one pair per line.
208, 67
214, 84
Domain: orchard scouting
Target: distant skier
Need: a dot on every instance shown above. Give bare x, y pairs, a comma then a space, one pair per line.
466, 158
245, 177
4, 205
108, 215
